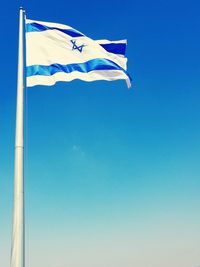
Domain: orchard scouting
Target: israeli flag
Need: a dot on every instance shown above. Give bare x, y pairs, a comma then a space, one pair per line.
57, 52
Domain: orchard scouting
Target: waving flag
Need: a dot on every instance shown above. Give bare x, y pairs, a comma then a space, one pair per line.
57, 52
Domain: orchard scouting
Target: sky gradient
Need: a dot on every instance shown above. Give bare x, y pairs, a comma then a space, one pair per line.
112, 176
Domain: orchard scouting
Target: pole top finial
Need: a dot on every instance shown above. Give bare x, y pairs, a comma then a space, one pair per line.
22, 9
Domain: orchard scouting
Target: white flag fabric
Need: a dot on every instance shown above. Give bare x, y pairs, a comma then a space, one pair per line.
57, 52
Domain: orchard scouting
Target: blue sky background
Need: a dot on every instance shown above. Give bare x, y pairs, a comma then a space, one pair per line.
112, 175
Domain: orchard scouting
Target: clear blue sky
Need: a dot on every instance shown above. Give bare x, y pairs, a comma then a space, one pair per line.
112, 176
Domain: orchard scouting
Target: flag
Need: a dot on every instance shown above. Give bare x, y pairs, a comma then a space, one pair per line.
57, 52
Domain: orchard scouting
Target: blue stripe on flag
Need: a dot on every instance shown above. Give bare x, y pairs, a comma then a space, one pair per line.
115, 48
36, 27
94, 64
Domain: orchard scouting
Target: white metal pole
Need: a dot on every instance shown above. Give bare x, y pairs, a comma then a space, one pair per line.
17, 253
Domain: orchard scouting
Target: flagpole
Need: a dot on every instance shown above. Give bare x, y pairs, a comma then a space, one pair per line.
17, 253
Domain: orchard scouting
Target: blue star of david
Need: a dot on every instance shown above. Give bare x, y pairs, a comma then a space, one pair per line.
76, 47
